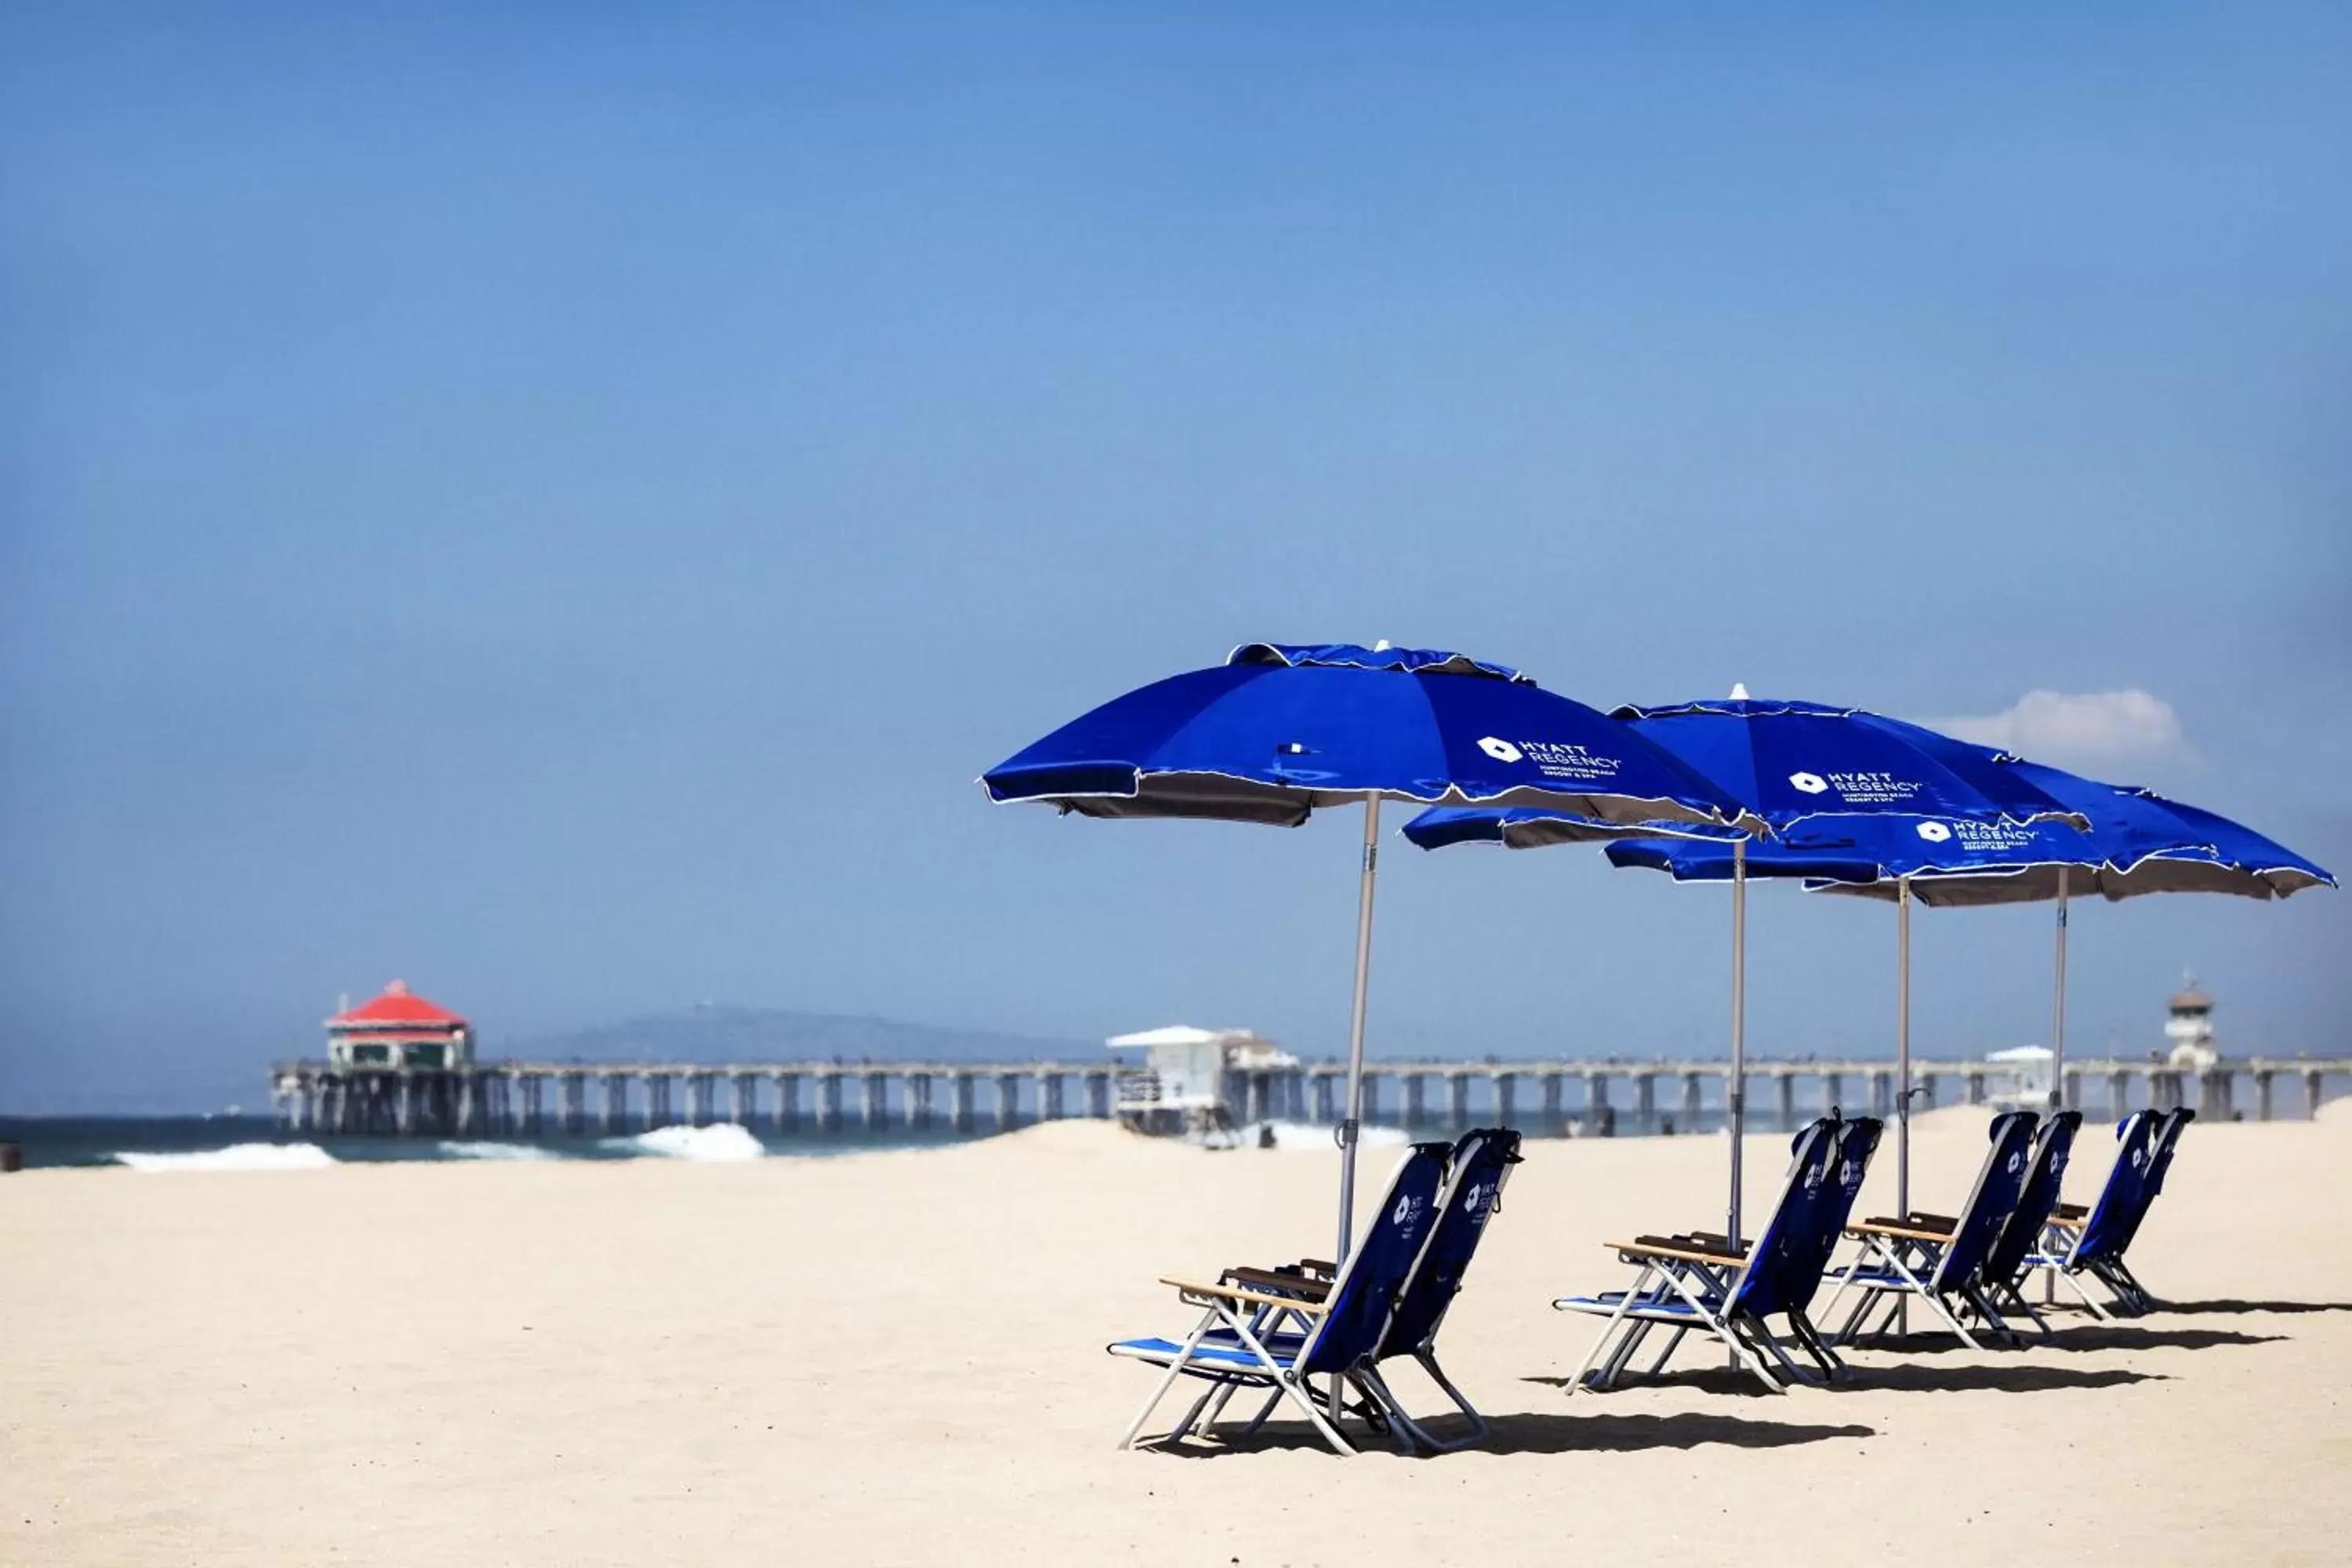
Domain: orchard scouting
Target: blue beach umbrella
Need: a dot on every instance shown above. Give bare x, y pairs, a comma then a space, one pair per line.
1811, 771
2137, 843
1281, 730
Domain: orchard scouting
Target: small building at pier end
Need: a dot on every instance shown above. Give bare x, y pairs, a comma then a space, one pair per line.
399, 1029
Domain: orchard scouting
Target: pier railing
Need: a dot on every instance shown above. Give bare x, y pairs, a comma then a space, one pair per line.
518, 1098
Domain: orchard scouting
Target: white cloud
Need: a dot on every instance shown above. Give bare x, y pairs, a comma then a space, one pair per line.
2087, 724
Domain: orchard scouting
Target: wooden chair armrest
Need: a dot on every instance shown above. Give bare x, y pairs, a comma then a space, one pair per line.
1715, 1239
1278, 1279
2070, 1221
1934, 1222
1695, 1242
2070, 1211
1323, 1266
1907, 1233
1243, 1293
1681, 1253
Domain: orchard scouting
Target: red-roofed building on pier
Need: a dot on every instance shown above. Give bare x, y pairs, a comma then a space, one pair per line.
399, 1029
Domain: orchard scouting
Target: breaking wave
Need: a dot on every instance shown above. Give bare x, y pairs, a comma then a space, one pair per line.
723, 1141
467, 1149
235, 1157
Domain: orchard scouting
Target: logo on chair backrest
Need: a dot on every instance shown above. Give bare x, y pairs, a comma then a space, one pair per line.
1407, 1209
2016, 1161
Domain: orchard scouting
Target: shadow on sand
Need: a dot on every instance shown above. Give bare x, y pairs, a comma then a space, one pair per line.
2010, 1377
1535, 1433
2017, 1376
2080, 1337
2232, 1309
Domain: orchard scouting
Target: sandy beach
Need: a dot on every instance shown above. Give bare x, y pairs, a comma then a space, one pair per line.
898, 1358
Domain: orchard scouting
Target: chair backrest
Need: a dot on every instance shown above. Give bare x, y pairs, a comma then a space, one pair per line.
2044, 1176
2161, 1147
1784, 1267
2117, 1211
1481, 1163
2000, 1181
1372, 1274
1826, 1213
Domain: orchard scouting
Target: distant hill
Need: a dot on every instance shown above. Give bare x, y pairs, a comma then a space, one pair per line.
717, 1034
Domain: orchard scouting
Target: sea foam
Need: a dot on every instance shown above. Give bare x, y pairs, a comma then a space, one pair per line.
235, 1157
468, 1148
724, 1142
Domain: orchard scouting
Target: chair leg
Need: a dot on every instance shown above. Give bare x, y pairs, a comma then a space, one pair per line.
1758, 1331
1673, 1342
1630, 1339
1810, 1337
2016, 1300
1420, 1433
1749, 1358
1289, 1383
1175, 1371
1184, 1428
1259, 1420
1845, 1333
2077, 1286
1576, 1380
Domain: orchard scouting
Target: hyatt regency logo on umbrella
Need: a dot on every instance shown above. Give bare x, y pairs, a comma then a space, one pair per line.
1935, 832
1812, 783
1553, 759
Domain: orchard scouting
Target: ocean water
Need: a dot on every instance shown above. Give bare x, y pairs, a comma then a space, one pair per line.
183, 1144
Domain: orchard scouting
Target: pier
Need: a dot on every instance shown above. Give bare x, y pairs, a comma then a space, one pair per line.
517, 1098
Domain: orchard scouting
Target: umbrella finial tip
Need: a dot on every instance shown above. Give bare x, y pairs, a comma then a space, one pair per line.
1739, 691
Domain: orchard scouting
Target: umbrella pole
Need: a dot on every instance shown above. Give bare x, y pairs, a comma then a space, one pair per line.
2058, 1010
1902, 1046
1349, 1113
1903, 1068
1738, 1095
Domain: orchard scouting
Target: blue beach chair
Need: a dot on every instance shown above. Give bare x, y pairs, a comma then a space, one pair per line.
1700, 1282
1940, 1259
1283, 1337
1481, 1165
2004, 1268
2092, 1241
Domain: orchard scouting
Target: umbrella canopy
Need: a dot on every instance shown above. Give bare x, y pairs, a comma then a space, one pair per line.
1791, 763
2137, 843
1282, 730
1813, 772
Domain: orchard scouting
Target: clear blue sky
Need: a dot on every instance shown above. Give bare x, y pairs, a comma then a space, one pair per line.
558, 507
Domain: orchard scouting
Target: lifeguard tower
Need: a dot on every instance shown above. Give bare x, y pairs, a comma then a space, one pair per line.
2189, 1024
399, 1030
1190, 1078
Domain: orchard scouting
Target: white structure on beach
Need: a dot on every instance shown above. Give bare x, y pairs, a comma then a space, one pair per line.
1189, 1076
2189, 1027
2029, 1068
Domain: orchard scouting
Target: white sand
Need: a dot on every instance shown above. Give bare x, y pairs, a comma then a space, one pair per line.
896, 1358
